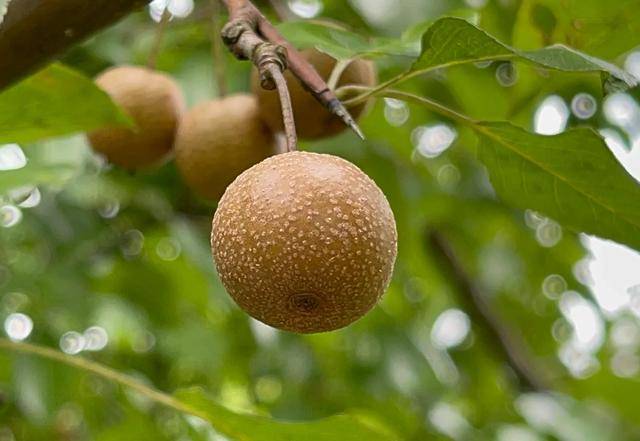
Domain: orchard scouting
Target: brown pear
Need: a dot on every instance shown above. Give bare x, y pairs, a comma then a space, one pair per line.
154, 102
217, 140
304, 242
313, 120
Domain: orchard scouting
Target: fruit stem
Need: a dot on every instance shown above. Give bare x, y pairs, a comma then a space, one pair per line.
159, 36
217, 54
285, 104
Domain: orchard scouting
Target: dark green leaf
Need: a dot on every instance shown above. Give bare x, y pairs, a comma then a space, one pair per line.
451, 41
257, 428
571, 177
53, 102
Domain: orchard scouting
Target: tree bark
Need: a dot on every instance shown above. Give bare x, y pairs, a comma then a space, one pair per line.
36, 31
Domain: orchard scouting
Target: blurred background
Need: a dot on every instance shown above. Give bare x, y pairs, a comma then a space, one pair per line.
117, 267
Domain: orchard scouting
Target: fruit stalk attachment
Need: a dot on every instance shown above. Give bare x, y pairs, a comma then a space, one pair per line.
248, 30
271, 60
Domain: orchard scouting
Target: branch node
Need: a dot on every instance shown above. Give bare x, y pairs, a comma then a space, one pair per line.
265, 55
231, 34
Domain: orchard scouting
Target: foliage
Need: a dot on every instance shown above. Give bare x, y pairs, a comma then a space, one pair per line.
93, 248
55, 101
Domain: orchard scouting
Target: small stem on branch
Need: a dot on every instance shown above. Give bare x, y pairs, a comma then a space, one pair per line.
397, 94
371, 91
159, 36
217, 53
101, 371
337, 72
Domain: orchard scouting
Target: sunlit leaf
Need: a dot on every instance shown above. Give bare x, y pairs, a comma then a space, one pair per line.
572, 177
604, 29
257, 428
53, 102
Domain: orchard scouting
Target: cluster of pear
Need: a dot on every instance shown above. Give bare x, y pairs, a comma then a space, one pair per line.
303, 242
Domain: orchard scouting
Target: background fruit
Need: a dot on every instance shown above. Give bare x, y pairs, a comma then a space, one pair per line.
155, 103
304, 242
217, 140
312, 119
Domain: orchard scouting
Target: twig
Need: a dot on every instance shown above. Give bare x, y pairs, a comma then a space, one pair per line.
217, 53
159, 36
506, 342
375, 90
101, 371
337, 72
398, 94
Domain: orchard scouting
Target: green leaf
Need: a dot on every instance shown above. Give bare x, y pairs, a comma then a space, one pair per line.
257, 428
53, 102
35, 174
572, 177
451, 41
343, 44
603, 28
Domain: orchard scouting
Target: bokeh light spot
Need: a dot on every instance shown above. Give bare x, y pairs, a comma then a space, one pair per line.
72, 342
584, 106
96, 338
306, 8
552, 116
12, 157
431, 141
507, 74
396, 112
18, 326
553, 286
549, 233
450, 329
168, 249
10, 215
